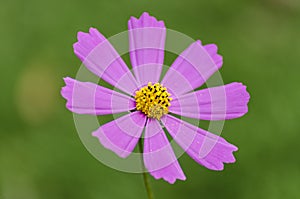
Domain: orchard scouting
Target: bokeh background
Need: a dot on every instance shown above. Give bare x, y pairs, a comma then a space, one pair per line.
41, 155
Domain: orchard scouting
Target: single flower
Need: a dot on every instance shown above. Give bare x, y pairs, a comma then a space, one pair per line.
151, 105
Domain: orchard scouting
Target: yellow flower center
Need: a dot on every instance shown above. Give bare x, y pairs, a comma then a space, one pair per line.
153, 100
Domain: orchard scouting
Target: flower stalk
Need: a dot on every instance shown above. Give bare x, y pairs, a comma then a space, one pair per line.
145, 174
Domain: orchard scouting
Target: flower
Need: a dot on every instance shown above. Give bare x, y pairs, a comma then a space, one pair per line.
152, 105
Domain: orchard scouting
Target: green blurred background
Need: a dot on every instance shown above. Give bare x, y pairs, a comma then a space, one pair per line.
41, 155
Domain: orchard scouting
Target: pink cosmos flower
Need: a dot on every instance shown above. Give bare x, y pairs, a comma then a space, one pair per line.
151, 105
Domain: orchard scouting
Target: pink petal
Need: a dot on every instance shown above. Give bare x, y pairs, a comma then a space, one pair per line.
122, 134
146, 42
192, 68
90, 98
100, 57
217, 103
159, 157
204, 147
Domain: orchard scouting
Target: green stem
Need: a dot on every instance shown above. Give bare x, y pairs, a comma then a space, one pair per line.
145, 175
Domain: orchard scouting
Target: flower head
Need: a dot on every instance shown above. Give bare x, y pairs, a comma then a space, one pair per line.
151, 104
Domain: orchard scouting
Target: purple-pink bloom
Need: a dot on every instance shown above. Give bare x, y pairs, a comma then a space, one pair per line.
188, 72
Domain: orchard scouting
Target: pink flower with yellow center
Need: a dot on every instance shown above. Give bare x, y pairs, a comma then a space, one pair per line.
151, 104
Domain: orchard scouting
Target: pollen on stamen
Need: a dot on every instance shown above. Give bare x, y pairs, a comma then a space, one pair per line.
153, 100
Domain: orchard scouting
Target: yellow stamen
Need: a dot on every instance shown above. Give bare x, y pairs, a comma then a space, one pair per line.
153, 100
